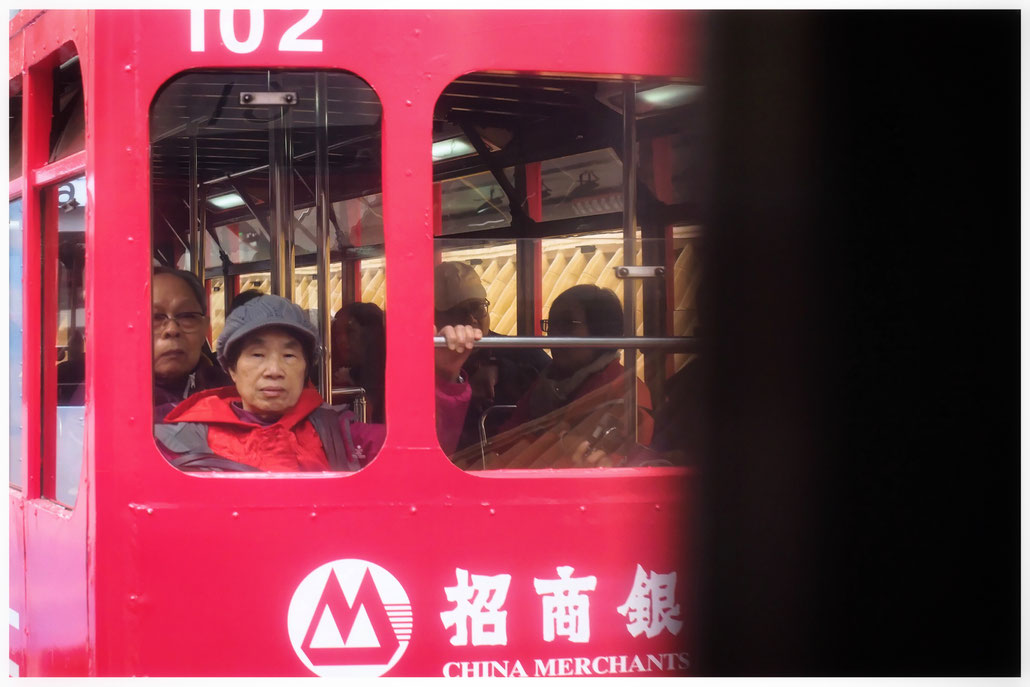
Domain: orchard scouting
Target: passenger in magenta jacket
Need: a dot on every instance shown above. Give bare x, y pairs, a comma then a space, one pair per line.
273, 419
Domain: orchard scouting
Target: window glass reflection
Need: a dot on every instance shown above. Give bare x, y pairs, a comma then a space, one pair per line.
15, 351
71, 336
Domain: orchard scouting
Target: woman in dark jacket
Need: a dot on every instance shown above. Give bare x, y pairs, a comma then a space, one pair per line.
359, 353
182, 365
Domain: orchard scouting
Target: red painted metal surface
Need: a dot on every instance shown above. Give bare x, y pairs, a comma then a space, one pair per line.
50, 578
16, 582
158, 572
23, 19
57, 589
62, 169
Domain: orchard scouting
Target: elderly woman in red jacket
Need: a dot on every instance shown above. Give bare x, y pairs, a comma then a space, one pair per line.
273, 419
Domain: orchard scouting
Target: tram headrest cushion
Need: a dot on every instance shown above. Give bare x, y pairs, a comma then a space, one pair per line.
456, 282
266, 311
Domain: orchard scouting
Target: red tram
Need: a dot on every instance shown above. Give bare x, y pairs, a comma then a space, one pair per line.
334, 157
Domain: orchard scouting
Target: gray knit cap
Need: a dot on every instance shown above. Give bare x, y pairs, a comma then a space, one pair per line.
266, 311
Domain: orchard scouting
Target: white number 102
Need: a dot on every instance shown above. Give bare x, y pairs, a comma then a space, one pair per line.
291, 41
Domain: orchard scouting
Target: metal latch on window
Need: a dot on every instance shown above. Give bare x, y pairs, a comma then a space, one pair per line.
279, 98
639, 271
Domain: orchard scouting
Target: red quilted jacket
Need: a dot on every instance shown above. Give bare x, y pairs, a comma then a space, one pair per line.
288, 445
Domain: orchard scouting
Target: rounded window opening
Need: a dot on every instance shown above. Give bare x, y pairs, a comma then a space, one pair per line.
268, 272
566, 273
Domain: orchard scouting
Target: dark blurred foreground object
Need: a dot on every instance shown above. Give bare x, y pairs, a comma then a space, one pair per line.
861, 512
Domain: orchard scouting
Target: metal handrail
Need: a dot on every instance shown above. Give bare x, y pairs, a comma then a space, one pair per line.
358, 405
681, 343
482, 429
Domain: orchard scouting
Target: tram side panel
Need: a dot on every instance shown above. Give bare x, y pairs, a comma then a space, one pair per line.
16, 583
580, 578
198, 575
56, 595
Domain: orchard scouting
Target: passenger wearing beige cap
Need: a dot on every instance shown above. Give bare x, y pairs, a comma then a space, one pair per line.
497, 376
459, 297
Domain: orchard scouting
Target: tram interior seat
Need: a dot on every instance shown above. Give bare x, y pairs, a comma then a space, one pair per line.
550, 440
352, 397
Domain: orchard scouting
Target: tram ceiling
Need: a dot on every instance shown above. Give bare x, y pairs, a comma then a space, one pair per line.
516, 119
541, 112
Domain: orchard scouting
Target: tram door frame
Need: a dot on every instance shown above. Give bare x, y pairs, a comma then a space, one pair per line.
51, 568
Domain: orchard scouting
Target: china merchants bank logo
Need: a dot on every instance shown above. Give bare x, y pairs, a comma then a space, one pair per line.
349, 618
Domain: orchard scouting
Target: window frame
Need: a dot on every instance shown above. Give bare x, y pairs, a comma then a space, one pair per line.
39, 300
528, 184
232, 279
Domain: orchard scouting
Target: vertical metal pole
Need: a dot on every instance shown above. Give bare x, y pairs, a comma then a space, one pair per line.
280, 200
629, 243
201, 248
228, 282
535, 210
286, 209
523, 259
653, 253
325, 379
275, 248
195, 238
437, 222
227, 287
527, 251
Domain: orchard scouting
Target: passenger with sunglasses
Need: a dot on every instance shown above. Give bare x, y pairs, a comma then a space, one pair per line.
498, 376
182, 365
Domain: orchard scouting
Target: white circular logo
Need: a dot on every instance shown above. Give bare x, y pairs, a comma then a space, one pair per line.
349, 618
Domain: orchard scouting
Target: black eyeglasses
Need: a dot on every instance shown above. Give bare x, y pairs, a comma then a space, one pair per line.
561, 325
478, 310
187, 321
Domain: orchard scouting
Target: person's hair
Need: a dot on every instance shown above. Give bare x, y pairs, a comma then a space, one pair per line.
243, 297
366, 314
372, 322
601, 306
191, 279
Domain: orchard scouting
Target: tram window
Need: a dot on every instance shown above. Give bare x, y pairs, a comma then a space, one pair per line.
65, 206
14, 129
533, 202
584, 184
68, 129
14, 352
474, 202
265, 173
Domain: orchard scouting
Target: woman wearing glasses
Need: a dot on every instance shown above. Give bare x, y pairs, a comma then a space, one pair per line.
181, 366
499, 376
